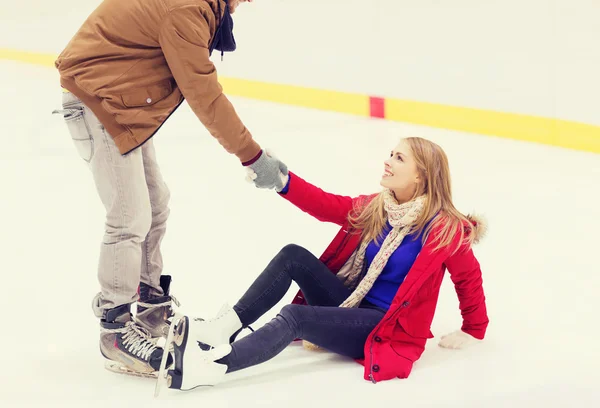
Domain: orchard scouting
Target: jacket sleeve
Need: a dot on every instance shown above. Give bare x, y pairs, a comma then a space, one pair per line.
323, 206
465, 273
184, 37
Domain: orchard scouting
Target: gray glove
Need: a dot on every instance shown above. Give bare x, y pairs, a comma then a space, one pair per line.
268, 172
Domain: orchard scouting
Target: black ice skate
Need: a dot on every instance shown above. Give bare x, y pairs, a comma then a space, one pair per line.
127, 346
154, 313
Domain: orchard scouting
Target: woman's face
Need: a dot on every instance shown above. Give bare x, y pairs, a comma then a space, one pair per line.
400, 173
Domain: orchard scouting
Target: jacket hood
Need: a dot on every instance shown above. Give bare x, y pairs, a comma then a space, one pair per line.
480, 226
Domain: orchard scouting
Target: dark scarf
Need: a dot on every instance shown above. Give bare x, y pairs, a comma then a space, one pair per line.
223, 39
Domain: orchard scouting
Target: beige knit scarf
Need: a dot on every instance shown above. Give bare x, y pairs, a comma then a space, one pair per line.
401, 218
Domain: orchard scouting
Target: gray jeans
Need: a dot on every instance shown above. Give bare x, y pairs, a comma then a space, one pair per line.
136, 200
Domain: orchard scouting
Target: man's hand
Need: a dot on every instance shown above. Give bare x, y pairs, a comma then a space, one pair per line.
267, 172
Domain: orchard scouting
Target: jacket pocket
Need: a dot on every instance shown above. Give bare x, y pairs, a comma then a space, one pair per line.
416, 329
147, 96
79, 129
409, 339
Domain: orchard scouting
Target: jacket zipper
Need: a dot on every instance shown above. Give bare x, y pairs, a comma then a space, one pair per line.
371, 364
392, 316
394, 313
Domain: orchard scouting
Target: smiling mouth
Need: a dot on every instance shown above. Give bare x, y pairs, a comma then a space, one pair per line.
387, 174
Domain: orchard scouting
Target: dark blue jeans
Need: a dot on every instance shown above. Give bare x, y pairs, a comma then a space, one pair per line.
321, 322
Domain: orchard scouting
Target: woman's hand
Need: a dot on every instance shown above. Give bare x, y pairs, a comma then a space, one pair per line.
457, 340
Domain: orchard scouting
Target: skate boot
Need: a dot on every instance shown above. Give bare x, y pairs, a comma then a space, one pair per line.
154, 313
193, 367
127, 346
222, 329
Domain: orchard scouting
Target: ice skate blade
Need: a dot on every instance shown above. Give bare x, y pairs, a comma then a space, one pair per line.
118, 368
162, 374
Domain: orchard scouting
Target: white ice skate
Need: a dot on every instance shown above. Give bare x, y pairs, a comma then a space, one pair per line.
192, 366
218, 330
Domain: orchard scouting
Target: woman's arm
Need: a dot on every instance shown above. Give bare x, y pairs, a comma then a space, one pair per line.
465, 273
323, 206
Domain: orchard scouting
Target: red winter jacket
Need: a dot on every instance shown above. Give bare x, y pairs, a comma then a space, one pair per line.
399, 339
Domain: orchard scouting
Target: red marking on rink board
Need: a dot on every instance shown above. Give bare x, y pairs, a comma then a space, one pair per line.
377, 107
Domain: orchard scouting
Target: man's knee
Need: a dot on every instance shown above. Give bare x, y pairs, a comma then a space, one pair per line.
131, 223
163, 196
160, 206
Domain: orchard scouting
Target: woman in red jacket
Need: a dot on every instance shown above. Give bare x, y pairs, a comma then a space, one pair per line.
371, 296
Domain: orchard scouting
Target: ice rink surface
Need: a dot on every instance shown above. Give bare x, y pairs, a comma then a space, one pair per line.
541, 274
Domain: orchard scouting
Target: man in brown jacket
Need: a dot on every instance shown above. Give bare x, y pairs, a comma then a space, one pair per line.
126, 70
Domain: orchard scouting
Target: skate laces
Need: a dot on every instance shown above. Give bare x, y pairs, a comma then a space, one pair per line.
155, 305
136, 340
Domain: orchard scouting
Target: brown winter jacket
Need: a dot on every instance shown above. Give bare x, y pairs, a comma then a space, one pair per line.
133, 62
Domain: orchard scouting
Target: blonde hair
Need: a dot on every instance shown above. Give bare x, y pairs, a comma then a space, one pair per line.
434, 173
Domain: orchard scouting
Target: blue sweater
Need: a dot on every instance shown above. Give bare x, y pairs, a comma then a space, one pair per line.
385, 287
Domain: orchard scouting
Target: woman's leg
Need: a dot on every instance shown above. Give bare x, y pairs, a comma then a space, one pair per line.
292, 263
340, 330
